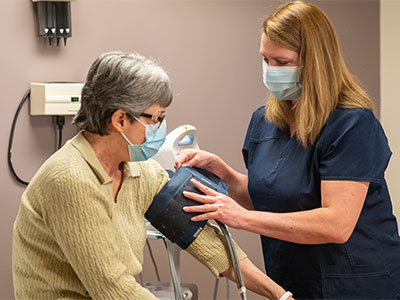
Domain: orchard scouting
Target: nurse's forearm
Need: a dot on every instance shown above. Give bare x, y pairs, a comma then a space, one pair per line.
237, 183
256, 281
239, 192
316, 226
333, 222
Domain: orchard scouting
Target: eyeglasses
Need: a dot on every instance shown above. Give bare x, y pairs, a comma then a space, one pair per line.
154, 118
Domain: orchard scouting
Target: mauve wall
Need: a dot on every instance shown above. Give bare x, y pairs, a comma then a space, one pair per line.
210, 50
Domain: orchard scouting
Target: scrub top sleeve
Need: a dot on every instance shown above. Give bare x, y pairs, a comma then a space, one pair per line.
353, 146
245, 150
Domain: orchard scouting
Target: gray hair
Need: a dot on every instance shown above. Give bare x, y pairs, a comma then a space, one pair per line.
117, 80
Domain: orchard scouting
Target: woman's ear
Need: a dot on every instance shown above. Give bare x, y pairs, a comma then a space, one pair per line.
118, 120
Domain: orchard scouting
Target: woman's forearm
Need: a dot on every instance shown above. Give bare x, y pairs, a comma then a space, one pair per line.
256, 281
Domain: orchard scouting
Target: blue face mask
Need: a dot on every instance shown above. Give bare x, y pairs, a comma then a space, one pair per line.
155, 137
282, 82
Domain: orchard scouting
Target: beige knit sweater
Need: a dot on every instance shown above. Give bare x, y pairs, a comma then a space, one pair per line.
72, 241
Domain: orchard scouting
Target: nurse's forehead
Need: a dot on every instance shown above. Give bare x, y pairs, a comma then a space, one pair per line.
269, 49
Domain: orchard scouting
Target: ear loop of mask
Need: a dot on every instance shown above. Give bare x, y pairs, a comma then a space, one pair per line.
140, 121
124, 136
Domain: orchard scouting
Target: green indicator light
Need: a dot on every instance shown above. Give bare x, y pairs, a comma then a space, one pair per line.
74, 99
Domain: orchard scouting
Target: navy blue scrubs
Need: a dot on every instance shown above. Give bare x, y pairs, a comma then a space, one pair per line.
285, 177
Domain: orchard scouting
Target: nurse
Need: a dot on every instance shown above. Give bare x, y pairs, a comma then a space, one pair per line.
316, 156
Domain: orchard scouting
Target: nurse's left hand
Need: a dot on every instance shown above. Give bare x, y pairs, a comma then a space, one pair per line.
216, 206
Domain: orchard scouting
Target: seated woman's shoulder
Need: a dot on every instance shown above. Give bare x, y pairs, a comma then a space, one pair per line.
149, 167
62, 165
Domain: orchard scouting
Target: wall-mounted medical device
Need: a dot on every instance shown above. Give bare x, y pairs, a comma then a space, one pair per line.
54, 20
58, 98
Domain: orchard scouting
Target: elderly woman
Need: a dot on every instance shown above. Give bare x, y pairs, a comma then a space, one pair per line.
80, 230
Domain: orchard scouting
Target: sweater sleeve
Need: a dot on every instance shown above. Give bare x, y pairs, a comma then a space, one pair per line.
156, 176
211, 249
80, 218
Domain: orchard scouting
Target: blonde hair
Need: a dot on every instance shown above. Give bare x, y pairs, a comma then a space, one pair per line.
327, 83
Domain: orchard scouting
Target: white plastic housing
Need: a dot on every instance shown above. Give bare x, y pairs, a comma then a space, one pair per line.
55, 98
177, 140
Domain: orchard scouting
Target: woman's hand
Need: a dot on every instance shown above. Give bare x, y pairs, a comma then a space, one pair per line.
216, 206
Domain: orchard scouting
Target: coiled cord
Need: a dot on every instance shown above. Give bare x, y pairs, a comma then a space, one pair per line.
10, 142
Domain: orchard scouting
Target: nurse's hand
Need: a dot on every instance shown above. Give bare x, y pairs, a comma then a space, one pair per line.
196, 158
216, 206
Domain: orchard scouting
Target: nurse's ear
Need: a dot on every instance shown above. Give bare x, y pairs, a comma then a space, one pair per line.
118, 121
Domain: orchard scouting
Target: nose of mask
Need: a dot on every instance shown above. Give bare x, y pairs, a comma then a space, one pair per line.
282, 82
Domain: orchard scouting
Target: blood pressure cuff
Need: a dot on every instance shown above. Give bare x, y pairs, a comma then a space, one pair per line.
166, 211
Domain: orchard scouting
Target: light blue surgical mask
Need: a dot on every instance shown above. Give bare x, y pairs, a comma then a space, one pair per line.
282, 82
155, 137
